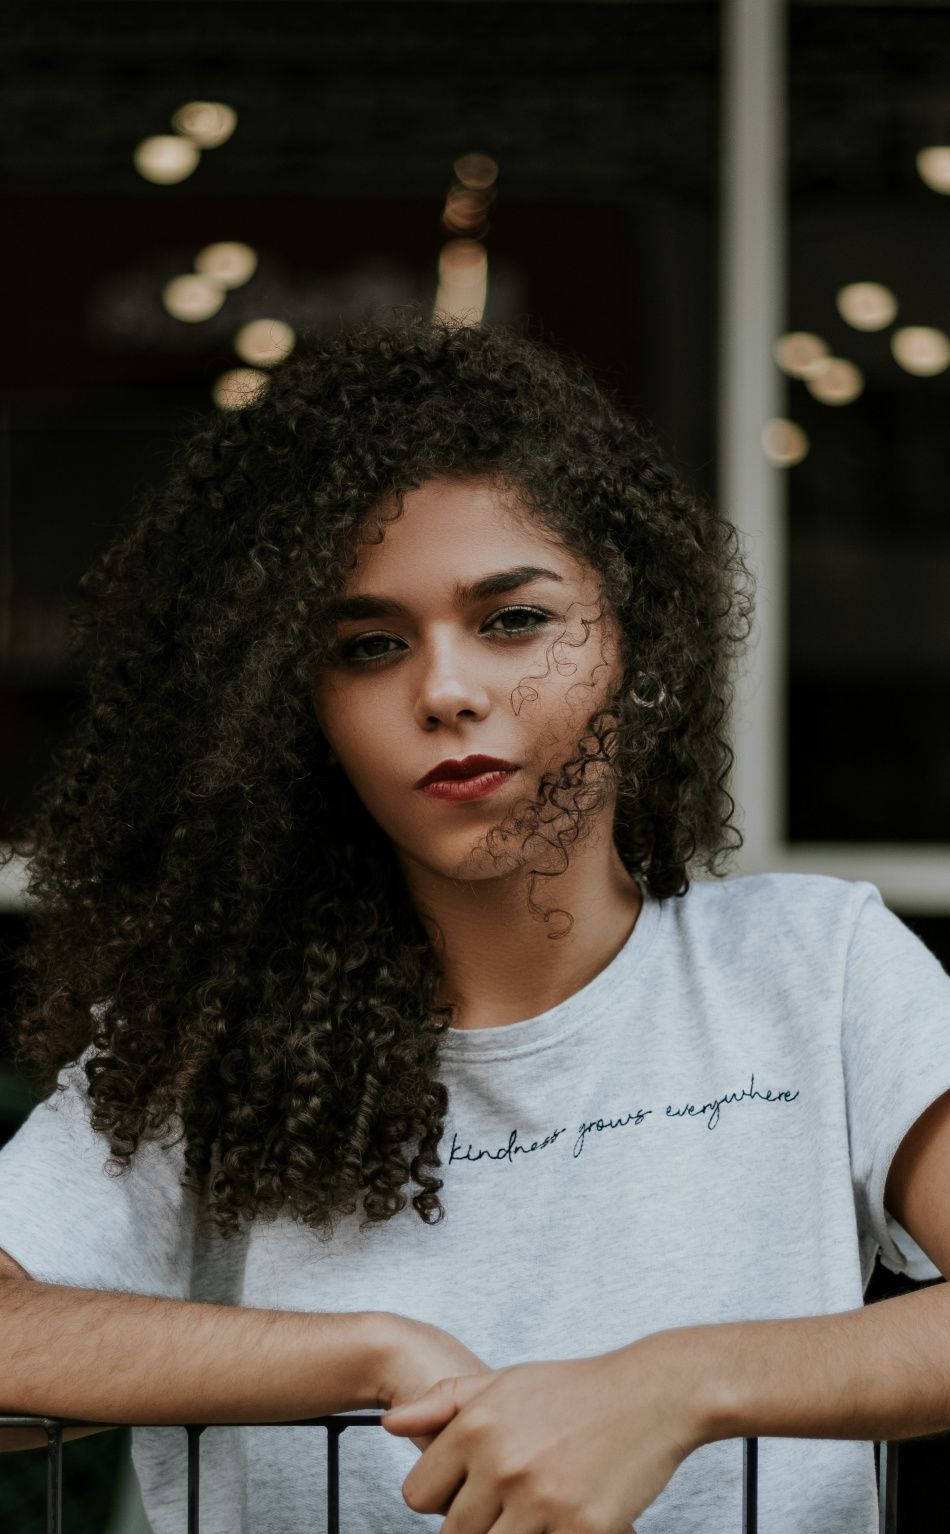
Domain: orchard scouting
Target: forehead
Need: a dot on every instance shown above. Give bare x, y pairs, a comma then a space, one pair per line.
453, 532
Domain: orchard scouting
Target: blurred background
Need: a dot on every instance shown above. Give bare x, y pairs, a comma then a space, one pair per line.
736, 210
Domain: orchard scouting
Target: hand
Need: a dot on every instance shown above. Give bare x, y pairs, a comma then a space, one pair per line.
550, 1447
421, 1355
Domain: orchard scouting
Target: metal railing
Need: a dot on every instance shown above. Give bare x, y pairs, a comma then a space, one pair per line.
886, 1463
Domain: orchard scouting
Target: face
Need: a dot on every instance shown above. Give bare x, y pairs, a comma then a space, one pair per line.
512, 674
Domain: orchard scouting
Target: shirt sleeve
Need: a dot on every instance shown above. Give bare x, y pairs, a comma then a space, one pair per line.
67, 1220
896, 1056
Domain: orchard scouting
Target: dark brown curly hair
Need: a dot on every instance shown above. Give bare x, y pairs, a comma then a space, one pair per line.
212, 908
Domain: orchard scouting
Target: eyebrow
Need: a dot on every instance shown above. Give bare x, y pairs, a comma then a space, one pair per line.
492, 585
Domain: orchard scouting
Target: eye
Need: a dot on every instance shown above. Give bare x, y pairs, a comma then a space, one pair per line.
345, 653
532, 612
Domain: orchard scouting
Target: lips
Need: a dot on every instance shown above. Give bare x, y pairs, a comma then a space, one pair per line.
465, 767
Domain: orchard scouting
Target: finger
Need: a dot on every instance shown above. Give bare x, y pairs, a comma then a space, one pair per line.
431, 1485
476, 1504
437, 1406
419, 1416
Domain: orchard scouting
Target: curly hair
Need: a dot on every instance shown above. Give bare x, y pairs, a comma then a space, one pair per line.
212, 908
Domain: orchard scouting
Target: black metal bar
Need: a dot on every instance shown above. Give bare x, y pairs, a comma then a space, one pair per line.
887, 1487
750, 1485
333, 1476
54, 1477
194, 1431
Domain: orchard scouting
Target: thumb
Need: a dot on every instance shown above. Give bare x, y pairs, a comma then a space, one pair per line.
436, 1406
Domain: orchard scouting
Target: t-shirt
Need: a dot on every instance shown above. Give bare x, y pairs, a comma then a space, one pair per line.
701, 1134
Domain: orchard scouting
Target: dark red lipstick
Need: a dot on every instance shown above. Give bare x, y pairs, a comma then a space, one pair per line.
471, 777
454, 768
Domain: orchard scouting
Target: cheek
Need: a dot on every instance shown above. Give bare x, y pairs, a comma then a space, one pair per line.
582, 680
332, 708
362, 734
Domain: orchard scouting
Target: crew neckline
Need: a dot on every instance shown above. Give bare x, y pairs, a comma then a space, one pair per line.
548, 1028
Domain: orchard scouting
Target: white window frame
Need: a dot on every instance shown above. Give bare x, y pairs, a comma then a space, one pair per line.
751, 493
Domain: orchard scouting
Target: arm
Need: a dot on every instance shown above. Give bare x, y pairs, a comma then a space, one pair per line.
509, 1441
882, 1371
131, 1358
879, 1372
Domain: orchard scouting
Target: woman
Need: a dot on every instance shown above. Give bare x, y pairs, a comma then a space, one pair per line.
284, 911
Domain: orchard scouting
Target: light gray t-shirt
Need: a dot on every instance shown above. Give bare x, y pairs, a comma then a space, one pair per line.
701, 1134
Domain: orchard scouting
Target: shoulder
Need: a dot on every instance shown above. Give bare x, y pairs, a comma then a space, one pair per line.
774, 913
771, 894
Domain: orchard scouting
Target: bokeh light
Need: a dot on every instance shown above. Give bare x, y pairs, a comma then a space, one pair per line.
191, 298
784, 443
206, 123
477, 171
264, 342
801, 354
239, 387
465, 210
838, 383
227, 264
463, 282
165, 158
933, 167
921, 350
866, 305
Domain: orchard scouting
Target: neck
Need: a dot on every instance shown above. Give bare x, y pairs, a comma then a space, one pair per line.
499, 964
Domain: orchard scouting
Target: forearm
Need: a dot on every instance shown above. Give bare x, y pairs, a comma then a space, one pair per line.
881, 1372
129, 1358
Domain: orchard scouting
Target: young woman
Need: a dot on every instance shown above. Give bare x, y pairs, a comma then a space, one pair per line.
367, 874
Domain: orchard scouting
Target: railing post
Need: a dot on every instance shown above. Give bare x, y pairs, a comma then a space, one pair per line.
887, 1487
194, 1432
54, 1478
334, 1429
750, 1485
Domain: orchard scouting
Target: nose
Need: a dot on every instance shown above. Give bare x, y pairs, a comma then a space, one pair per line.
449, 687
